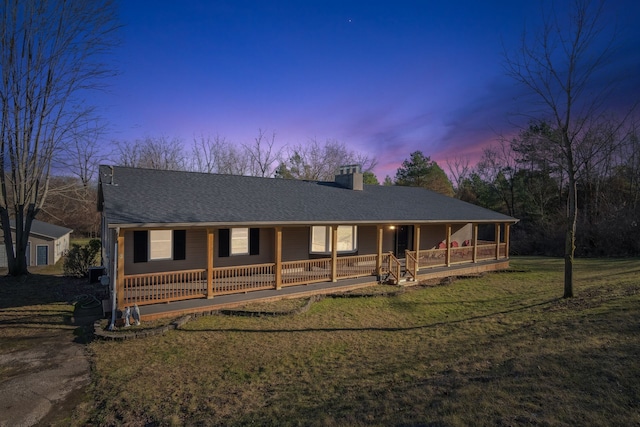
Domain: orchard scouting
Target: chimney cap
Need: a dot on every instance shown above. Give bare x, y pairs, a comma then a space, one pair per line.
349, 169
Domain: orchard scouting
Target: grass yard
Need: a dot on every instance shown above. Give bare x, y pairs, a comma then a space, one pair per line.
502, 349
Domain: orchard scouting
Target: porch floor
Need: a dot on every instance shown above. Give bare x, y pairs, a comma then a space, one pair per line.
203, 305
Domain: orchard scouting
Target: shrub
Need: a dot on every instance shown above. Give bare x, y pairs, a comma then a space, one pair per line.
80, 258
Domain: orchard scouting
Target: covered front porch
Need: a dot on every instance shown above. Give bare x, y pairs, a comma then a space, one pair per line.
170, 293
205, 306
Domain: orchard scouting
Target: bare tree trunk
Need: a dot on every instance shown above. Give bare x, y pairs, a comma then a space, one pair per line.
570, 239
50, 53
560, 66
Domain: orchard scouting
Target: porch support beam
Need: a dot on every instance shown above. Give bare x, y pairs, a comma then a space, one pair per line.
448, 227
474, 242
497, 227
120, 271
379, 234
278, 260
334, 253
210, 242
416, 247
507, 228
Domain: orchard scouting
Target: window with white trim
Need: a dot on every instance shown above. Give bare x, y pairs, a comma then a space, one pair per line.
160, 244
321, 239
239, 241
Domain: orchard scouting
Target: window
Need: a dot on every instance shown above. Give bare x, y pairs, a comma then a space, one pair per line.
347, 238
238, 241
160, 244
321, 239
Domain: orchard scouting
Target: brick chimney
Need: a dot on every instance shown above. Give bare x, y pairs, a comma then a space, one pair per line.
349, 176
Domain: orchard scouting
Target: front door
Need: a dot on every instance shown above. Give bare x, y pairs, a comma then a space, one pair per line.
403, 236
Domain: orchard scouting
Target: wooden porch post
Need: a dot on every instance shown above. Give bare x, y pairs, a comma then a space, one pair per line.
120, 271
334, 253
416, 247
475, 242
278, 267
210, 242
507, 227
448, 226
497, 226
379, 246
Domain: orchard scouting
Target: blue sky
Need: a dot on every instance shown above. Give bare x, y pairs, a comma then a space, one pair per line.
384, 77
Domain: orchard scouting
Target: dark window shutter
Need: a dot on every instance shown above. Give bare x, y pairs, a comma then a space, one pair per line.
140, 246
254, 241
224, 243
179, 244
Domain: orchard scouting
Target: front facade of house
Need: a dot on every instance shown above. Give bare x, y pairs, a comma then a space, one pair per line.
47, 243
171, 236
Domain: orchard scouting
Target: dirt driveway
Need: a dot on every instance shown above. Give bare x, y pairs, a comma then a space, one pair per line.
44, 368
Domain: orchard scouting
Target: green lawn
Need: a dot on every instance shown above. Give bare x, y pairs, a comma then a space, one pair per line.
502, 349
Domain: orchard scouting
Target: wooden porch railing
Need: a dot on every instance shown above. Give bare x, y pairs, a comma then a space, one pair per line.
179, 285
395, 268
244, 278
486, 251
431, 258
461, 254
411, 264
306, 271
503, 250
384, 264
356, 266
164, 287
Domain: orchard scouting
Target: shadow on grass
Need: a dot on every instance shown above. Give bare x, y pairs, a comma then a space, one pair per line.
43, 289
382, 329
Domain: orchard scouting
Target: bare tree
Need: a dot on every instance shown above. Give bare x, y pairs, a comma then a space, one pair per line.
84, 152
71, 204
263, 155
218, 155
316, 161
51, 51
498, 168
206, 153
233, 161
153, 153
559, 66
459, 170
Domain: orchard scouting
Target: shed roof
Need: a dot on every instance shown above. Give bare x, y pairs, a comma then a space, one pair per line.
148, 197
46, 229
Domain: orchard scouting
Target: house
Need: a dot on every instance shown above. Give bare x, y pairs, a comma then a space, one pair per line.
47, 243
172, 235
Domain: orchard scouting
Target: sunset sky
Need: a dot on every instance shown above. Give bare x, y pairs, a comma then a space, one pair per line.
384, 77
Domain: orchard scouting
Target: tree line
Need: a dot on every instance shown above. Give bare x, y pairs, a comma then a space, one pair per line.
72, 189
526, 178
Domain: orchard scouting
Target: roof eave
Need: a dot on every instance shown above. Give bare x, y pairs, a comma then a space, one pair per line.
301, 223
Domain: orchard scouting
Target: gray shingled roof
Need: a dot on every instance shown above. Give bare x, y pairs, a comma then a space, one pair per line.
146, 196
45, 229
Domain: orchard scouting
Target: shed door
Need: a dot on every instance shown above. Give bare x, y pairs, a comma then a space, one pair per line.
42, 255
